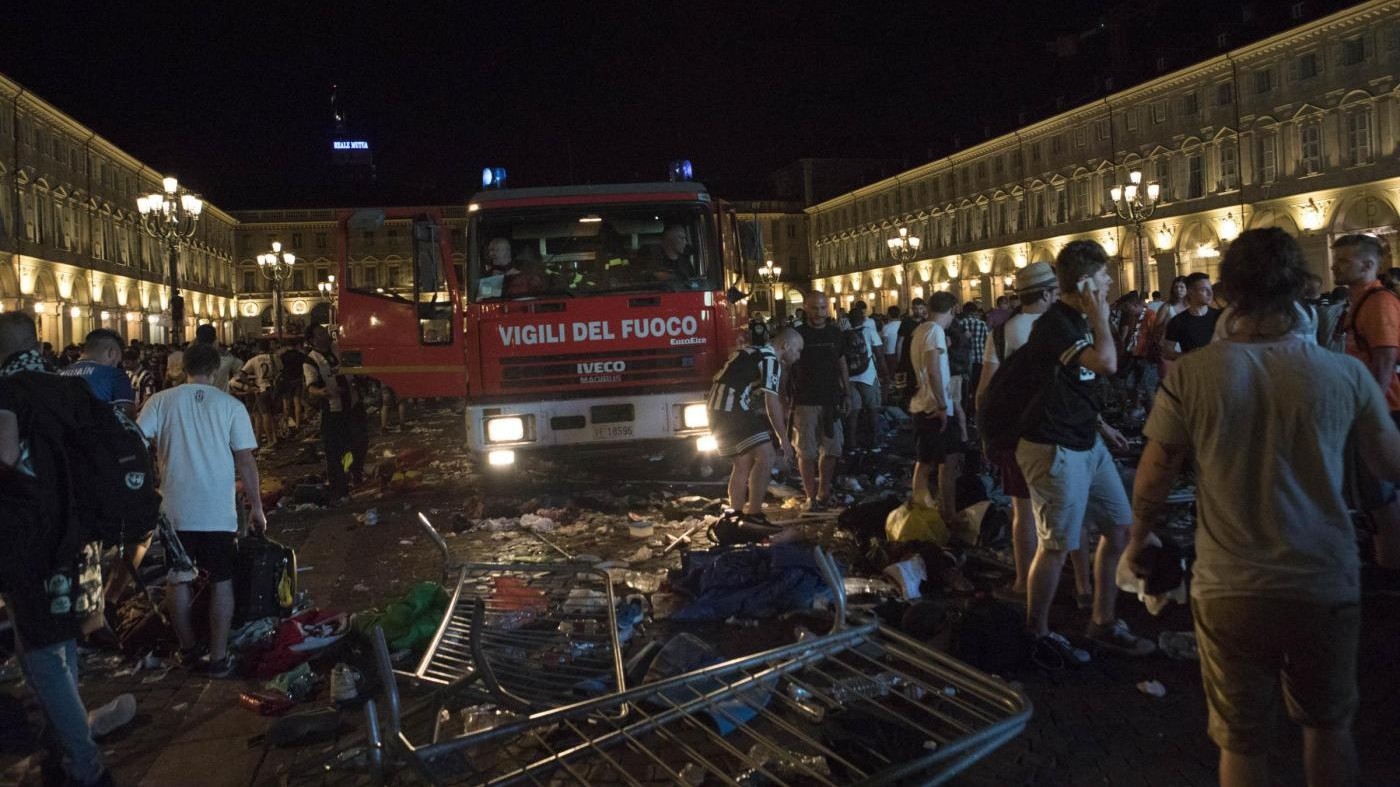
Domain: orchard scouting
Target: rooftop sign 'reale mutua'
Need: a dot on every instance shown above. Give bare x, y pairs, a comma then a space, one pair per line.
678, 331
349, 144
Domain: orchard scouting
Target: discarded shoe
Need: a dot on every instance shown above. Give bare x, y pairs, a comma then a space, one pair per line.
114, 715
1118, 638
731, 529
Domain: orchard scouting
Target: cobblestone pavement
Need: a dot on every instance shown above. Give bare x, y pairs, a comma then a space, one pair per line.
1091, 725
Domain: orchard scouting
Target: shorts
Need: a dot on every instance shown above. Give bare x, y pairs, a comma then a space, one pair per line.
955, 388
1248, 643
1013, 483
214, 551
265, 402
738, 432
818, 431
1366, 490
1072, 489
932, 445
864, 396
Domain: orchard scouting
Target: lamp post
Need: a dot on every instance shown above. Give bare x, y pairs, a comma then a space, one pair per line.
770, 274
276, 265
1135, 204
904, 247
170, 217
328, 294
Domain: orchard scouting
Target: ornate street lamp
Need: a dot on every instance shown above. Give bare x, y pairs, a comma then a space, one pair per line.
905, 247
1135, 204
276, 266
329, 295
770, 275
170, 217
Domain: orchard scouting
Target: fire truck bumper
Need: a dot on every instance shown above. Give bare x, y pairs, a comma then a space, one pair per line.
498, 432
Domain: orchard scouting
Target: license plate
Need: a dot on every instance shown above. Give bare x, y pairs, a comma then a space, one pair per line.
611, 431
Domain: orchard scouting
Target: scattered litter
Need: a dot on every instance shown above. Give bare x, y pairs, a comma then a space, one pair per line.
360, 587
783, 491
641, 555
500, 524
156, 677
180, 707
1152, 688
850, 484
408, 542
640, 529
305, 568
536, 523
1179, 645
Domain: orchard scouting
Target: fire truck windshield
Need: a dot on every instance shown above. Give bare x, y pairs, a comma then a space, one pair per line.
591, 250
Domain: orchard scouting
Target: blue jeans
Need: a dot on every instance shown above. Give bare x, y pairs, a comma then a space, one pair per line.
52, 673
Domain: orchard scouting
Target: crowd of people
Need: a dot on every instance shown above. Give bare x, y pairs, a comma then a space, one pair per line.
1284, 400
195, 407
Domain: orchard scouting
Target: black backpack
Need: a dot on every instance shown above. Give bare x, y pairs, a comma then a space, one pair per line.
263, 566
111, 474
1014, 390
855, 350
959, 349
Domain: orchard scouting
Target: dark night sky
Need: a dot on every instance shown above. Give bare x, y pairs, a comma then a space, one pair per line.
233, 97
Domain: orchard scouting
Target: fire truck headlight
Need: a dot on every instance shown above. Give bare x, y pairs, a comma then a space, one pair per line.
507, 429
500, 458
706, 443
695, 416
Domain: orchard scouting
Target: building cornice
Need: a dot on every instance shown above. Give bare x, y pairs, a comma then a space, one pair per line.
1288, 39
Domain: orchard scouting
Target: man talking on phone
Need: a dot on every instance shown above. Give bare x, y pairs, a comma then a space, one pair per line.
1062, 453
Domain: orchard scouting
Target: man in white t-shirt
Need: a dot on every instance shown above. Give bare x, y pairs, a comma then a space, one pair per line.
201, 436
862, 418
937, 441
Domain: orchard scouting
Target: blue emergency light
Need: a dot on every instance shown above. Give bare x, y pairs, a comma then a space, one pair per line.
681, 171
493, 177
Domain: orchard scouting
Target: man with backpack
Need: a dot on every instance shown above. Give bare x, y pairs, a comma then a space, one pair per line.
1062, 453
1371, 328
865, 364
1037, 290
39, 539
202, 435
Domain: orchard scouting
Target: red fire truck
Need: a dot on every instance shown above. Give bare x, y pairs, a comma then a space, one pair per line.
582, 317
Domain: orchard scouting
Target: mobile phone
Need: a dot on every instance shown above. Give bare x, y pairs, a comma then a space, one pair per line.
1088, 286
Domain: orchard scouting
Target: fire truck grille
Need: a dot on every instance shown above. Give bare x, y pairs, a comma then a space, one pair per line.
661, 365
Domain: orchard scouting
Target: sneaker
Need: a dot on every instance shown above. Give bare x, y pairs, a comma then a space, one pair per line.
1010, 595
1117, 638
222, 668
760, 519
1052, 651
814, 505
112, 716
732, 529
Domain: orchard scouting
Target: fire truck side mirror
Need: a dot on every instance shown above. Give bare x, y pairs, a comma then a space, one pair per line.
735, 295
750, 244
